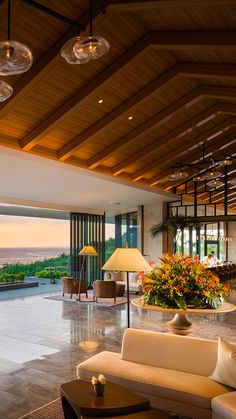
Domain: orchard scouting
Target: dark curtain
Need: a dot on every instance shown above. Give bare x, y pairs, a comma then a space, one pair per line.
87, 229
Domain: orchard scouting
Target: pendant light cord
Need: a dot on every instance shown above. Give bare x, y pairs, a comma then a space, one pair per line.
9, 21
90, 19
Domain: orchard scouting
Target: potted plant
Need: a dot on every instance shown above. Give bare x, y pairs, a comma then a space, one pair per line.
182, 282
177, 224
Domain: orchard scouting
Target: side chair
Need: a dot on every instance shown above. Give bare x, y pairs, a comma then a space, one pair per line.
104, 289
71, 286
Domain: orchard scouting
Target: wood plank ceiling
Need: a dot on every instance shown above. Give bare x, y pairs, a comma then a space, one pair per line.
168, 85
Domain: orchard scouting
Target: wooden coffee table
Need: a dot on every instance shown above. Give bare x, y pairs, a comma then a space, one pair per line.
79, 401
147, 414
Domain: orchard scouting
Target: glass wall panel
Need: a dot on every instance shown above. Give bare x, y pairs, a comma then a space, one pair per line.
109, 235
120, 229
193, 248
190, 211
186, 241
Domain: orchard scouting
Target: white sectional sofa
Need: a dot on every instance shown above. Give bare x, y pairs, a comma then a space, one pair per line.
224, 406
171, 370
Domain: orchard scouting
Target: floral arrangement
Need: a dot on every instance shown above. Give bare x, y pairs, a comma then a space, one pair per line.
98, 380
182, 282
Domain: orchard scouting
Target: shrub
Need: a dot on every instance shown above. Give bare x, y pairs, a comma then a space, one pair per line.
12, 278
31, 268
54, 274
20, 276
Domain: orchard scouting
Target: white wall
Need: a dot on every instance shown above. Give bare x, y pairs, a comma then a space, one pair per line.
152, 215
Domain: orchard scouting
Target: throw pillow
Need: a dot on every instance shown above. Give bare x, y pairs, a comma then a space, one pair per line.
225, 370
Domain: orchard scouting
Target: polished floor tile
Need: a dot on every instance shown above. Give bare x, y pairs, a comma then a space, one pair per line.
42, 341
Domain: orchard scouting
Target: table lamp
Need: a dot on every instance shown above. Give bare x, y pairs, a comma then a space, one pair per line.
129, 260
86, 251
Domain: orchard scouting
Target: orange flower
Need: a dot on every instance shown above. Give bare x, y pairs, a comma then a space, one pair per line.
180, 281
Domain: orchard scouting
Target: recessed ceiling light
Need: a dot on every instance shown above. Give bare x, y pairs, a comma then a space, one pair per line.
130, 117
100, 101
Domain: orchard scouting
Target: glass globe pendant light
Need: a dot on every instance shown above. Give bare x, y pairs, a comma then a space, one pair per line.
198, 177
225, 162
67, 52
216, 183
5, 91
177, 174
213, 174
15, 57
93, 46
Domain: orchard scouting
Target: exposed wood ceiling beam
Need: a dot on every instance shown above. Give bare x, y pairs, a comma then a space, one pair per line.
41, 67
173, 135
132, 5
198, 93
104, 154
9, 141
205, 194
185, 69
133, 100
191, 171
50, 58
170, 40
224, 139
179, 39
143, 93
192, 155
227, 142
82, 94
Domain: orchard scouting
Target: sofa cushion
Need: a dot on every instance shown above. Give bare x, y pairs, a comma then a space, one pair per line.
182, 353
169, 384
225, 405
225, 371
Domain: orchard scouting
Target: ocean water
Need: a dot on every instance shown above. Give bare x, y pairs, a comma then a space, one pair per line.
29, 254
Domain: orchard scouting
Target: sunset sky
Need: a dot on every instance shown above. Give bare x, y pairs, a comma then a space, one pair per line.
33, 232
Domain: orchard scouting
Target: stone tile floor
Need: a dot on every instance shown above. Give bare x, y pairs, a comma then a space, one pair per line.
42, 341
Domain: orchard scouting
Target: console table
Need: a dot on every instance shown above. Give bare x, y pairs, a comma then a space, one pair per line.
180, 325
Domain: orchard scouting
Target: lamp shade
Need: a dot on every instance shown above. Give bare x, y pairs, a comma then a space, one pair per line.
127, 259
88, 251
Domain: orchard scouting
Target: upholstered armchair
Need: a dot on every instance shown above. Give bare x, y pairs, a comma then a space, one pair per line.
104, 289
71, 286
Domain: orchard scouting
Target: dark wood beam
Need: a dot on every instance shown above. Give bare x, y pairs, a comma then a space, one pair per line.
192, 70
215, 39
201, 91
82, 94
159, 83
137, 97
187, 156
132, 5
227, 141
40, 68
